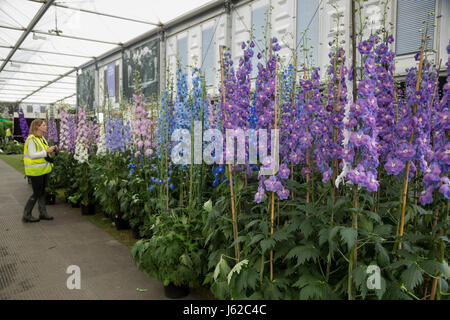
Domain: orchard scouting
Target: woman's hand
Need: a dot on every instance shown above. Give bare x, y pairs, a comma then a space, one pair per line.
51, 149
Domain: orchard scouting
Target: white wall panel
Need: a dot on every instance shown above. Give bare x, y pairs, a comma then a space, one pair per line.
194, 49
194, 44
329, 28
171, 54
284, 27
241, 24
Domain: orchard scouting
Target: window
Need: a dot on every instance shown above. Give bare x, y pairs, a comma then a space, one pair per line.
307, 31
259, 27
29, 108
208, 55
43, 109
182, 53
410, 17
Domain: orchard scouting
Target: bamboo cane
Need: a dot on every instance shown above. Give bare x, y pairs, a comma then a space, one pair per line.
230, 173
335, 162
434, 284
292, 104
167, 167
307, 150
435, 85
274, 153
396, 106
405, 186
333, 191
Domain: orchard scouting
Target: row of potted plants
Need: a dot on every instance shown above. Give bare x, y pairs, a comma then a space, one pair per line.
361, 185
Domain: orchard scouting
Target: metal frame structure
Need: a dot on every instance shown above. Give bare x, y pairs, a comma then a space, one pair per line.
46, 4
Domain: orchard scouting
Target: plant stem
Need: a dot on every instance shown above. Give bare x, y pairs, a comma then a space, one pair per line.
350, 275
230, 173
292, 104
354, 253
274, 153
405, 185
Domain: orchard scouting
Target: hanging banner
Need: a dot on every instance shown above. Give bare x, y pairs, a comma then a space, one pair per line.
36, 108
143, 58
111, 79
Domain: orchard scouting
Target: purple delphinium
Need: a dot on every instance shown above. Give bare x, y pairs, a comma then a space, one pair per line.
117, 135
52, 131
438, 155
64, 131
24, 129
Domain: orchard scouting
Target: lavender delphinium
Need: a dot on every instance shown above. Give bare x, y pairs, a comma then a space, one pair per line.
265, 113
329, 148
362, 148
23, 125
412, 133
64, 130
52, 131
117, 135
385, 92
439, 156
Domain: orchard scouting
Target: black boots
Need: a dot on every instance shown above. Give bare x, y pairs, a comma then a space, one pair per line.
42, 210
27, 217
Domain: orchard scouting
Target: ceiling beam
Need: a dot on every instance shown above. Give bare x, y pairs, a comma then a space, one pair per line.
49, 52
40, 64
50, 82
100, 13
31, 72
25, 33
33, 80
64, 98
28, 91
60, 35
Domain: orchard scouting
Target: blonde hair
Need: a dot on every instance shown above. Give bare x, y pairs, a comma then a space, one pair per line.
35, 124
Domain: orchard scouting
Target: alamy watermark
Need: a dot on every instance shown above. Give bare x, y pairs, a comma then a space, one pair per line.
214, 151
74, 280
374, 279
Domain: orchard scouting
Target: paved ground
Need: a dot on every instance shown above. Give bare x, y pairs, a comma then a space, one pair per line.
34, 257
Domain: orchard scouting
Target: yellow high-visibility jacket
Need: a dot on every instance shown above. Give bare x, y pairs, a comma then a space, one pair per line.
36, 167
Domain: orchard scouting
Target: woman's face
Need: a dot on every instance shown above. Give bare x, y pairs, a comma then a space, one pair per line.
43, 127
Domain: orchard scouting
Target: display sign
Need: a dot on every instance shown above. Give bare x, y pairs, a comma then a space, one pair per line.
111, 79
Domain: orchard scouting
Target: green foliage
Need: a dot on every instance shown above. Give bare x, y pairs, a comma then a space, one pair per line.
174, 254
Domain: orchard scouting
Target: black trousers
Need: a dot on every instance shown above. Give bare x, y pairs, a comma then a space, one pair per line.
38, 184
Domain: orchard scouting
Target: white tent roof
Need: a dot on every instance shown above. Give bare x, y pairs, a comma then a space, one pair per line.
45, 56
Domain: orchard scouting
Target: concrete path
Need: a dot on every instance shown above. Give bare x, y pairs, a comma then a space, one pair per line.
34, 257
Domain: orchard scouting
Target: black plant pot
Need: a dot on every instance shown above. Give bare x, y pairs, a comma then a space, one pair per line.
176, 292
120, 223
135, 232
88, 210
75, 205
50, 198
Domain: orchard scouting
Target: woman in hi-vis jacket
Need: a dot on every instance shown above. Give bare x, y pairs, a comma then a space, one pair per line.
37, 168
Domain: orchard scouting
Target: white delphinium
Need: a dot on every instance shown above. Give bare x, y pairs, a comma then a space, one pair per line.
81, 149
101, 149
